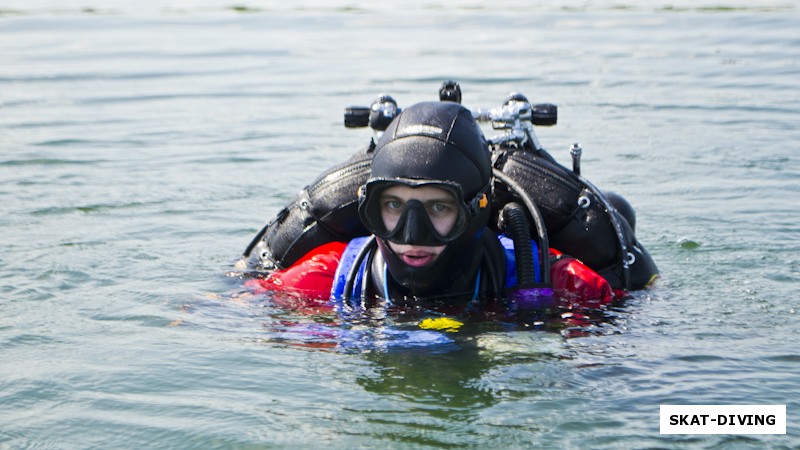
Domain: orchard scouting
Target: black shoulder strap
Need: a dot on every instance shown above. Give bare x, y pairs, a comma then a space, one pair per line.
493, 269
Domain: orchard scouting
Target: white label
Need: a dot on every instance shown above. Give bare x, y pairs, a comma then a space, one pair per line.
723, 419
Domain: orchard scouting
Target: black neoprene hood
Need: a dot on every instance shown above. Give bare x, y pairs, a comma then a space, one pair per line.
435, 141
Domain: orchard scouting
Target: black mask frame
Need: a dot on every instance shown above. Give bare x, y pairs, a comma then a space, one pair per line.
414, 226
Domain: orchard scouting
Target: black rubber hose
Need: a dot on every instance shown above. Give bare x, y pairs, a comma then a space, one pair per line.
538, 220
351, 276
515, 222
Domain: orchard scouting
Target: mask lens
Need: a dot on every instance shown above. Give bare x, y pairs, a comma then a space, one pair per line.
430, 213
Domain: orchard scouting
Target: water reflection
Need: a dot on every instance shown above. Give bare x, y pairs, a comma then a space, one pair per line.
441, 372
293, 320
446, 382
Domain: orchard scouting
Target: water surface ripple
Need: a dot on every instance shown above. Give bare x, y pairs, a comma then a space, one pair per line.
144, 143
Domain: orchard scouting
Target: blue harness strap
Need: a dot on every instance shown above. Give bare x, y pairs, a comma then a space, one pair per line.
343, 269
355, 246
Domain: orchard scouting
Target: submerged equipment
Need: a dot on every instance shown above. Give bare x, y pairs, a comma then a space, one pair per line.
532, 194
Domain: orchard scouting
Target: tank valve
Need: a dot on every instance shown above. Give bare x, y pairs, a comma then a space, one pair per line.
576, 152
450, 92
383, 110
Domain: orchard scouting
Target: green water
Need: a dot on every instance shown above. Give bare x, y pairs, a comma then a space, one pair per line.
143, 145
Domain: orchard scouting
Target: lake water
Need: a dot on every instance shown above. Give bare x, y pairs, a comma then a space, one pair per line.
142, 144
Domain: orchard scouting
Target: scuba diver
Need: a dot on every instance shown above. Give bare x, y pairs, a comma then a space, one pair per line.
433, 240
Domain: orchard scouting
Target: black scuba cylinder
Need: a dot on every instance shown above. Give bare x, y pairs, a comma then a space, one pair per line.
623, 207
580, 221
324, 211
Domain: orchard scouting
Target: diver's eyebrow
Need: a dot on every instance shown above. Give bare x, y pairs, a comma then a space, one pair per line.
447, 200
444, 198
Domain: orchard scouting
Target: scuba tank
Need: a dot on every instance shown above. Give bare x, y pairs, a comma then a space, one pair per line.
581, 220
327, 209
324, 211
567, 212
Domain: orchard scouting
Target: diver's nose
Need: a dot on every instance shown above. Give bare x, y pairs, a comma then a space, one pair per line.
414, 230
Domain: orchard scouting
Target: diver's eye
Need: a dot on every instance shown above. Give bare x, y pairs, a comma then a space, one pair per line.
439, 208
392, 205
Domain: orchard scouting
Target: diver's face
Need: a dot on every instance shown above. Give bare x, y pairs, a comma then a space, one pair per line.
440, 206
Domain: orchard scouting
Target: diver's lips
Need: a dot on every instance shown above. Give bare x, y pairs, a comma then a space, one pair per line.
417, 259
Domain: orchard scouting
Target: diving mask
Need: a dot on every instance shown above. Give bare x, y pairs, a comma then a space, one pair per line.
415, 214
